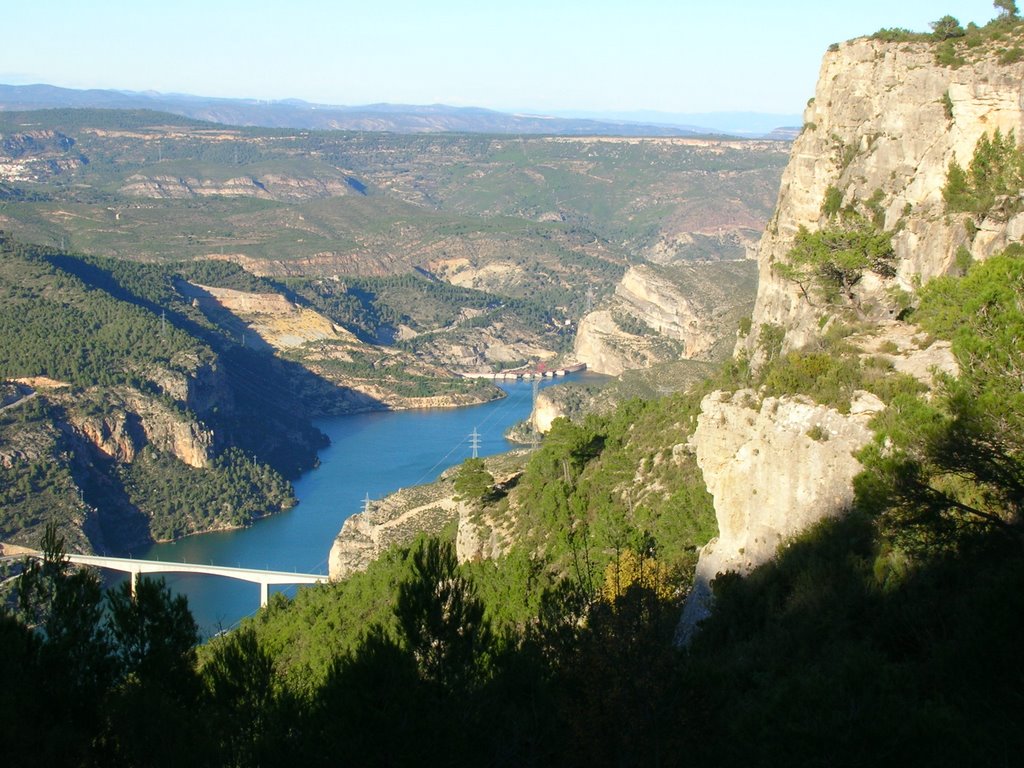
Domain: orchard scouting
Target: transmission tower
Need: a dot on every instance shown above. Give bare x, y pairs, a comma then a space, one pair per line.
366, 504
474, 441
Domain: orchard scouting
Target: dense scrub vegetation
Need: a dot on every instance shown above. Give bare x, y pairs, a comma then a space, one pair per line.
179, 500
833, 260
1002, 38
991, 186
955, 462
117, 332
59, 326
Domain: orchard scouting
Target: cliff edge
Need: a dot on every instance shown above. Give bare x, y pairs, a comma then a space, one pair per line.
886, 121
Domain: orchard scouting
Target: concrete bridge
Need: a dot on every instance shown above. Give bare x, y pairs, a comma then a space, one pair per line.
138, 567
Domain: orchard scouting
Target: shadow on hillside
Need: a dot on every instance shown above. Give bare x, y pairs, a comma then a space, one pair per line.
274, 399
836, 654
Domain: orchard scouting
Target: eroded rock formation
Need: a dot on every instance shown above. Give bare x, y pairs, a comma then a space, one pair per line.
885, 122
658, 314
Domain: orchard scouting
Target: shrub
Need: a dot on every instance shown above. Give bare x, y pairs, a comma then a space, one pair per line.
947, 105
991, 186
947, 27
833, 202
834, 260
821, 376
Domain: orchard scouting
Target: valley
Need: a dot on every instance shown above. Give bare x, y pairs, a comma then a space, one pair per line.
327, 273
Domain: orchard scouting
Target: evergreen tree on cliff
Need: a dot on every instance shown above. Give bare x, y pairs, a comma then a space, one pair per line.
1006, 8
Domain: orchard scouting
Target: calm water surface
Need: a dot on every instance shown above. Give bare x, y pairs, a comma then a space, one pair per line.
373, 453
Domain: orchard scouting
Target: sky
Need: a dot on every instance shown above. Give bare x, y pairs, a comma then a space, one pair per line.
675, 56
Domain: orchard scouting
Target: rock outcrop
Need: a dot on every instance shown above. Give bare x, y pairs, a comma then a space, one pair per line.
880, 133
774, 468
271, 317
395, 520
664, 313
267, 187
399, 518
885, 122
130, 421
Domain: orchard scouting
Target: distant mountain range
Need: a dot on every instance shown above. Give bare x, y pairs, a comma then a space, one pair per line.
399, 118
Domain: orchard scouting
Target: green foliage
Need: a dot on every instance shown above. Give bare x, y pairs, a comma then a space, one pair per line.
963, 260
1011, 55
1006, 8
631, 323
947, 56
817, 434
991, 186
851, 656
770, 338
609, 483
833, 201
875, 207
944, 466
106, 682
946, 27
473, 482
825, 378
833, 260
233, 491
154, 634
61, 326
440, 620
898, 35
246, 701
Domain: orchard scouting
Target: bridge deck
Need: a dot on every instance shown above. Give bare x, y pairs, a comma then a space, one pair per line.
138, 567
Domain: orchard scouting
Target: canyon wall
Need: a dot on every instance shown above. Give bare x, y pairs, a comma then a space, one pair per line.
886, 121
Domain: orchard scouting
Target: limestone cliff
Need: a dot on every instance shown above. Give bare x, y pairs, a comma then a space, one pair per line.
270, 186
396, 520
880, 133
885, 122
129, 421
773, 468
663, 313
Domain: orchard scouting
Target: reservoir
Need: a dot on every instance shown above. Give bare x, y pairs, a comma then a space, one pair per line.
370, 454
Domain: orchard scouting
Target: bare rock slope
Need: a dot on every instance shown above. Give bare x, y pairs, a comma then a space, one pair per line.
659, 314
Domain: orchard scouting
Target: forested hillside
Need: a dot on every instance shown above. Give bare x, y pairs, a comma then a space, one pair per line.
125, 423
886, 634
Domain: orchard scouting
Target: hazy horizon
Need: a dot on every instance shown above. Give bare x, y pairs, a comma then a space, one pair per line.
596, 56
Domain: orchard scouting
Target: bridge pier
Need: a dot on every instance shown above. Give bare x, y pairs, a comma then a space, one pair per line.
264, 594
133, 581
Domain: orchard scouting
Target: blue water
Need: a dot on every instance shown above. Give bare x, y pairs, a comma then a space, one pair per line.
373, 453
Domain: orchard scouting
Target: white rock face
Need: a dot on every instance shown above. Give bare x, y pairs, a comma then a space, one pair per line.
888, 118
606, 348
684, 310
481, 536
398, 519
135, 420
773, 471
878, 121
544, 412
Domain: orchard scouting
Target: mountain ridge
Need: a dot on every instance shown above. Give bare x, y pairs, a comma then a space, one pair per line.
398, 118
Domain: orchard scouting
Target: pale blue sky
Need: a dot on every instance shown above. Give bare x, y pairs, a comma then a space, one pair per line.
598, 55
